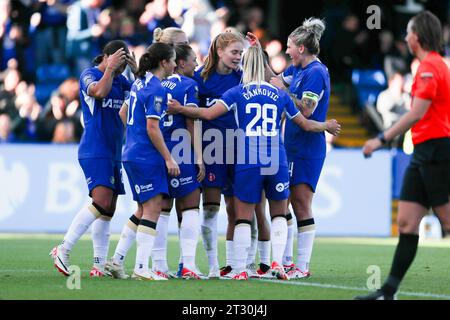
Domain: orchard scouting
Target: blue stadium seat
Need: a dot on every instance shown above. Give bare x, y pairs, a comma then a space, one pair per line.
44, 91
368, 84
52, 73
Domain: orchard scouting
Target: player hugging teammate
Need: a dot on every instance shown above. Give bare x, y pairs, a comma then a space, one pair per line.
159, 116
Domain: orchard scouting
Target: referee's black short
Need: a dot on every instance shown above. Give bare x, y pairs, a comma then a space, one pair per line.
427, 178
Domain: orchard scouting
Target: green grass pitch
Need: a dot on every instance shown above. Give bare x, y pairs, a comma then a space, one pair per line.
339, 271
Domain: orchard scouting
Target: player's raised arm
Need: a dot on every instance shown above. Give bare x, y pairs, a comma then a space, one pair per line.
211, 113
112, 64
331, 126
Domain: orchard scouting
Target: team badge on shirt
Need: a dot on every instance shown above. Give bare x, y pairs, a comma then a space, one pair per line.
158, 104
88, 79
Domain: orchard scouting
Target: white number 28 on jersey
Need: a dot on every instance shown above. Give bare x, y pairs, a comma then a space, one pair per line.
268, 113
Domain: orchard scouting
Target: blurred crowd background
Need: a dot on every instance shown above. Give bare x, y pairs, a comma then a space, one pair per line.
45, 44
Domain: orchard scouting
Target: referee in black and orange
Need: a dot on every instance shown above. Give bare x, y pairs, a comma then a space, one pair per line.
427, 179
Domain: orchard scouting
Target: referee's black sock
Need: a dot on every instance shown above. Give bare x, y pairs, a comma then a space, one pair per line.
404, 256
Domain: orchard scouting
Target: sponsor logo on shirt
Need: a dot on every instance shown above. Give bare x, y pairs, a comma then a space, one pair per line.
112, 103
174, 183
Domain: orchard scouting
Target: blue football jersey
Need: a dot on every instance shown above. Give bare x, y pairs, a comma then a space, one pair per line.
185, 91
148, 99
289, 73
311, 80
258, 112
211, 90
103, 129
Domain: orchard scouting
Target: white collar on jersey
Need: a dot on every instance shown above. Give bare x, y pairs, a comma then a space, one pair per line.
148, 76
175, 76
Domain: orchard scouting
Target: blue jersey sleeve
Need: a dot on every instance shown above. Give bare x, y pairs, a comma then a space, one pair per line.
192, 94
156, 104
312, 87
230, 98
288, 74
87, 78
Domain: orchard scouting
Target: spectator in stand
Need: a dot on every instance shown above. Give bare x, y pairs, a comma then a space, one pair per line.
156, 15
51, 31
392, 102
61, 118
29, 110
109, 22
14, 40
10, 78
198, 21
83, 33
348, 48
6, 134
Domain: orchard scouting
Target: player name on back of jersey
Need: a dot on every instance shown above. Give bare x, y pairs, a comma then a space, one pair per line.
168, 84
260, 92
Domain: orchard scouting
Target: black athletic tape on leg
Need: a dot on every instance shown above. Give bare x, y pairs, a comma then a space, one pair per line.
211, 204
289, 216
102, 211
148, 223
238, 221
304, 223
279, 216
135, 220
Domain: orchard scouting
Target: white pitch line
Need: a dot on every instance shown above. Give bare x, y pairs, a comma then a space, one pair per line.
298, 283
333, 286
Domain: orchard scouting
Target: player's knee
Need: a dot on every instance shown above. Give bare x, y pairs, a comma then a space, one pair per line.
405, 225
104, 209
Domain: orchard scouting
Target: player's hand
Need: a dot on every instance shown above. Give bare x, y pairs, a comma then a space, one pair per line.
116, 60
172, 168
201, 172
370, 146
277, 82
131, 61
333, 127
173, 106
252, 39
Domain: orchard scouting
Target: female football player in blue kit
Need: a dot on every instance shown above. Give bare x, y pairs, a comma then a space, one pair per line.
186, 187
102, 92
258, 105
309, 85
173, 36
146, 156
220, 72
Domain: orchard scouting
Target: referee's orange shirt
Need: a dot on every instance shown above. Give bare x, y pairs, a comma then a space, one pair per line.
432, 82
